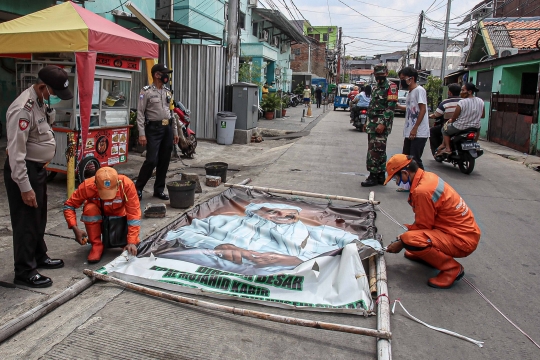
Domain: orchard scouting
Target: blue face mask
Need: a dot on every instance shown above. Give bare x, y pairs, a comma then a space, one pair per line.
53, 99
404, 184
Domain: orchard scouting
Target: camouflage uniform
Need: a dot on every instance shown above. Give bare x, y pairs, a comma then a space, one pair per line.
381, 111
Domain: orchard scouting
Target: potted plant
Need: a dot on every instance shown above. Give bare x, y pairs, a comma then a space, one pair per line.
284, 104
269, 105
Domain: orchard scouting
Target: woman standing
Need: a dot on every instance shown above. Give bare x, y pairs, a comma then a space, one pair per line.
470, 109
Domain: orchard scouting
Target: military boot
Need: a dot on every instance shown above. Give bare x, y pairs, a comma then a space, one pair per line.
381, 178
372, 180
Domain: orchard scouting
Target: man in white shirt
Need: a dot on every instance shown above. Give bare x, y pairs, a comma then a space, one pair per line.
416, 129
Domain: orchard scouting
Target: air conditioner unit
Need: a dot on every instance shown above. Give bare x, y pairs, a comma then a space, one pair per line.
330, 29
292, 57
277, 71
284, 48
507, 52
253, 3
310, 29
263, 35
275, 41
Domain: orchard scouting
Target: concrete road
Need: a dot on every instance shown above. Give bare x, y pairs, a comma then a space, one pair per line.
105, 322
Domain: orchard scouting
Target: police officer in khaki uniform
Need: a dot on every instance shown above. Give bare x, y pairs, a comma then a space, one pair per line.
156, 130
30, 146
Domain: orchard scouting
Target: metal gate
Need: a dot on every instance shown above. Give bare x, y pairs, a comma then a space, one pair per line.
199, 83
510, 120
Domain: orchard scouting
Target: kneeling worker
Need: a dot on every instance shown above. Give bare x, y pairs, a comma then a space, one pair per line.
444, 227
106, 194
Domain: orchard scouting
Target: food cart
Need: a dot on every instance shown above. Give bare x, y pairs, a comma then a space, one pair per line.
92, 129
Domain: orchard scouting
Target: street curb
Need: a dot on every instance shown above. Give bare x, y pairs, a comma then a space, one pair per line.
305, 131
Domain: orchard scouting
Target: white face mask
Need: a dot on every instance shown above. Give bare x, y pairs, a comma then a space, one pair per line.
404, 184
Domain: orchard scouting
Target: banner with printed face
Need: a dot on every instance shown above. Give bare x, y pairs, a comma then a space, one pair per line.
258, 247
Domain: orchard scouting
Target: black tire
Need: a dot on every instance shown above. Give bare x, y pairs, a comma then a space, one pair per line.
335, 108
466, 164
83, 172
51, 175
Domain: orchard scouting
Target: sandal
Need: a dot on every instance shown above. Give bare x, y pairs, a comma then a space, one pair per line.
402, 190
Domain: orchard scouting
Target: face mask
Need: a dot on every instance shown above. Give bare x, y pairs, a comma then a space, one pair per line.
380, 78
404, 84
53, 99
165, 79
404, 185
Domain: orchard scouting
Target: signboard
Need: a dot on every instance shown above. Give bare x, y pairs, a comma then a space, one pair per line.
108, 146
118, 62
255, 247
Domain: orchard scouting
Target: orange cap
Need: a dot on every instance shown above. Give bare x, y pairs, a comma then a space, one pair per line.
107, 183
395, 164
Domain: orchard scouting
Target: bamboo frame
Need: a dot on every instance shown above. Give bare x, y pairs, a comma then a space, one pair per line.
302, 193
371, 264
241, 312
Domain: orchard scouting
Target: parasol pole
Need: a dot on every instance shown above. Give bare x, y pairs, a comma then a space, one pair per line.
70, 157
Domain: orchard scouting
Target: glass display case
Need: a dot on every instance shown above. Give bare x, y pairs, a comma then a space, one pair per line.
110, 98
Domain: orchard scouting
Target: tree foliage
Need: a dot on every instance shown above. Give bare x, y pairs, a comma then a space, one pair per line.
392, 74
434, 90
250, 72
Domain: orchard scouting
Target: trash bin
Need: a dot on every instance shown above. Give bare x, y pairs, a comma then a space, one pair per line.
226, 122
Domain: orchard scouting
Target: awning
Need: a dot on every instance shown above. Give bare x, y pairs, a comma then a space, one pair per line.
282, 23
174, 29
71, 28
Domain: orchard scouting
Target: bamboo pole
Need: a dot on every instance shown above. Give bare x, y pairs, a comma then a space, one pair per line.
302, 193
372, 277
384, 349
70, 164
242, 312
43, 309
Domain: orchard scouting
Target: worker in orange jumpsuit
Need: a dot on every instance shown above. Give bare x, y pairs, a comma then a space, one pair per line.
117, 196
444, 227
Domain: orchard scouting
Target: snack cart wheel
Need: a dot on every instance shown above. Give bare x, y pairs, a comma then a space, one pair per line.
87, 168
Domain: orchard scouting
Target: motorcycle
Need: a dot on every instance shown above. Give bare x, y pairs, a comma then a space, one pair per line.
294, 99
359, 118
465, 151
187, 141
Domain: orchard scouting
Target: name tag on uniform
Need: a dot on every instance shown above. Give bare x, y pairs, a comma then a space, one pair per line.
41, 120
165, 122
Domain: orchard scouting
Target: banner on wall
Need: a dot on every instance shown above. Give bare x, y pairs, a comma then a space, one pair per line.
257, 247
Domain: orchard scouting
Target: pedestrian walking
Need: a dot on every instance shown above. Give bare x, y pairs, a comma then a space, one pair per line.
307, 96
318, 96
30, 147
444, 112
416, 130
105, 194
156, 130
384, 97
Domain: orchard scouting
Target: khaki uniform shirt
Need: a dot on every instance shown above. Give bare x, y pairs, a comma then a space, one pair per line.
29, 136
153, 106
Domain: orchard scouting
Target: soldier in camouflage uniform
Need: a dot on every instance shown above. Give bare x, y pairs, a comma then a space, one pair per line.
381, 116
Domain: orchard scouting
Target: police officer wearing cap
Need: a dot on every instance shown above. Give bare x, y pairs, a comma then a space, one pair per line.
156, 131
30, 146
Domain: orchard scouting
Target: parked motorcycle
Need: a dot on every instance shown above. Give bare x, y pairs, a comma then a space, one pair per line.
295, 99
359, 119
465, 151
187, 141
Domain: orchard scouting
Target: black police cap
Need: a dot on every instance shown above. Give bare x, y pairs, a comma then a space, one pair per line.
57, 79
161, 68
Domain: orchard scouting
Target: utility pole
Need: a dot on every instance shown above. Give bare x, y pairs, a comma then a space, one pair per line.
339, 57
443, 63
420, 27
231, 71
309, 59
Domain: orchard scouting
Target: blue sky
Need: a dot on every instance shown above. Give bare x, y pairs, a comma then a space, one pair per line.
401, 15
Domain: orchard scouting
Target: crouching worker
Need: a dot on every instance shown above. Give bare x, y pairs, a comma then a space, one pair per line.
444, 227
111, 197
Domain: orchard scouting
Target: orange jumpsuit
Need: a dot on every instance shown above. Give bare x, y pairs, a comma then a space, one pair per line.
442, 219
126, 203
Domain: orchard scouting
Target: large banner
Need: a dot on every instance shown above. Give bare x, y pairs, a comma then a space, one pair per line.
262, 248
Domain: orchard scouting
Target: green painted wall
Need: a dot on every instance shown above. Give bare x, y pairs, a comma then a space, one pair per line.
104, 8
204, 15
332, 32
25, 7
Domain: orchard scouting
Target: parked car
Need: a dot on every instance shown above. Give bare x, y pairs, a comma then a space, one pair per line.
402, 100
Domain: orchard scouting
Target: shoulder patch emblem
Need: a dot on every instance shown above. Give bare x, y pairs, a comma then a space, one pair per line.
23, 124
393, 89
29, 105
146, 87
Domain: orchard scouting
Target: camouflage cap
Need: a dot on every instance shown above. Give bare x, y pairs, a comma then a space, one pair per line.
380, 69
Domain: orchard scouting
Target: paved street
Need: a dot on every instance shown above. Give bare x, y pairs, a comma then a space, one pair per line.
107, 322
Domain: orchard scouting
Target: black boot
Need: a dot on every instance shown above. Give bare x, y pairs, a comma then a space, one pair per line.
372, 180
382, 178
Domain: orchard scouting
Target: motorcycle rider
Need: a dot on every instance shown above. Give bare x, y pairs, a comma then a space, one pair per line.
361, 101
444, 112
